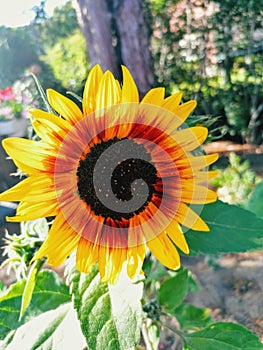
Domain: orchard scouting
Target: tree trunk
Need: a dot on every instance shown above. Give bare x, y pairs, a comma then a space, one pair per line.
95, 22
116, 33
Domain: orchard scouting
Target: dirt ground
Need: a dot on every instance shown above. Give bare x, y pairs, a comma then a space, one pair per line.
232, 288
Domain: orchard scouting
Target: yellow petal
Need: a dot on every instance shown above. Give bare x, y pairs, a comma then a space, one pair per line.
191, 138
204, 176
33, 189
87, 255
185, 109
187, 217
195, 163
176, 234
154, 96
196, 194
51, 120
165, 251
64, 106
108, 93
30, 156
110, 263
31, 211
129, 89
172, 102
59, 244
136, 257
90, 90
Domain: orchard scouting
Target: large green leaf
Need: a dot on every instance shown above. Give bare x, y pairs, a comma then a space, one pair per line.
255, 203
232, 229
110, 315
50, 291
191, 317
173, 291
29, 287
53, 330
222, 336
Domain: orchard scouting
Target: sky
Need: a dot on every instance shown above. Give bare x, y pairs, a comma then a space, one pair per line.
16, 13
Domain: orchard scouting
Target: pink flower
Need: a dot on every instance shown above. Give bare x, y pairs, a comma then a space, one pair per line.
7, 94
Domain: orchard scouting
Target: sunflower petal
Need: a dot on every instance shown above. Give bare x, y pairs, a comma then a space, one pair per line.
191, 138
31, 211
196, 194
64, 106
192, 163
87, 255
154, 97
136, 257
187, 217
33, 189
108, 93
172, 102
30, 156
60, 243
49, 127
90, 90
129, 89
118, 257
184, 110
164, 250
176, 234
204, 176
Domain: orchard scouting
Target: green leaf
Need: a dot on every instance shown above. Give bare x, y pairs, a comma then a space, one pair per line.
222, 336
192, 284
110, 315
50, 291
255, 203
53, 330
191, 317
173, 291
157, 272
30, 285
232, 229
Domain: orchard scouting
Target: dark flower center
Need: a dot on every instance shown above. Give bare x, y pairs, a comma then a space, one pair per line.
125, 177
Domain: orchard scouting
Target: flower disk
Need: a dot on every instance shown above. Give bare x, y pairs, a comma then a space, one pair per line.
119, 176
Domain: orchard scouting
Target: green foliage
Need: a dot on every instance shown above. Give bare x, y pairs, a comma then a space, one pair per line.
222, 336
69, 62
49, 292
232, 229
236, 182
54, 329
255, 202
17, 52
110, 315
20, 249
173, 291
194, 51
30, 285
191, 317
61, 25
206, 336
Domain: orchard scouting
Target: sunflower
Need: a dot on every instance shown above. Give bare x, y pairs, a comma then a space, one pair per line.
119, 176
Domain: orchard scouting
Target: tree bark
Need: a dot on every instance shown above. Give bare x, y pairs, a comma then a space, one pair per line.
116, 33
134, 39
95, 22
